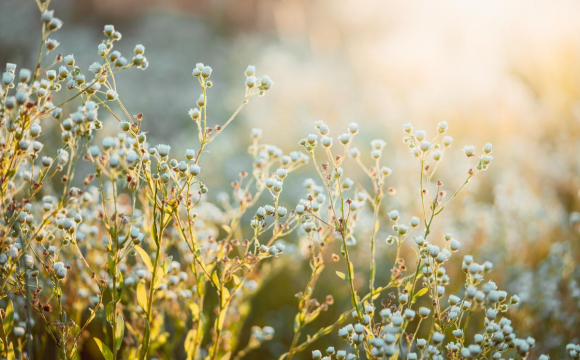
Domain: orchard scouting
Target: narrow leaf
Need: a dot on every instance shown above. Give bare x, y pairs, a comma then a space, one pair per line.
142, 296
104, 350
189, 344
111, 264
342, 275
419, 294
109, 311
120, 332
225, 296
194, 308
9, 317
145, 257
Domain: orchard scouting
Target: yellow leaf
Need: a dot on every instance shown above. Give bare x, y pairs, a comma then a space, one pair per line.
142, 296
145, 257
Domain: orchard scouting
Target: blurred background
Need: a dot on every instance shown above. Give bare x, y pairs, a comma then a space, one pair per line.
500, 72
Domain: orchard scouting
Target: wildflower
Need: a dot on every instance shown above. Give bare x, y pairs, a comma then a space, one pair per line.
7, 78
454, 245
266, 82
469, 150
19, 331
206, 72
487, 148
425, 146
109, 30
54, 24
201, 100
163, 150
250, 70
437, 338
60, 270
139, 49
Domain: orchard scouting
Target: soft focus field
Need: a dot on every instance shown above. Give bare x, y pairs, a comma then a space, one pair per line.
506, 73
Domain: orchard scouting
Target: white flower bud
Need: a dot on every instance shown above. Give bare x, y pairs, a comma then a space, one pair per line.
163, 150
35, 129
420, 135
69, 60
112, 95
469, 150
109, 30
102, 50
454, 245
60, 270
487, 159
194, 170
54, 24
201, 101
250, 70
344, 138
139, 49
487, 148
206, 72
250, 81
437, 155
353, 128
266, 82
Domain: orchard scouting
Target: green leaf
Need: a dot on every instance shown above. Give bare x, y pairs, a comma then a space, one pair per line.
8, 318
142, 296
120, 282
189, 344
437, 326
110, 311
351, 271
145, 257
194, 308
297, 322
342, 275
419, 275
312, 317
236, 279
120, 332
11, 354
154, 232
215, 278
111, 264
225, 296
158, 281
167, 264
104, 350
419, 294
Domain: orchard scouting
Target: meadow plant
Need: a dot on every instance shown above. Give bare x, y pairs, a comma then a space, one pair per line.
135, 258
